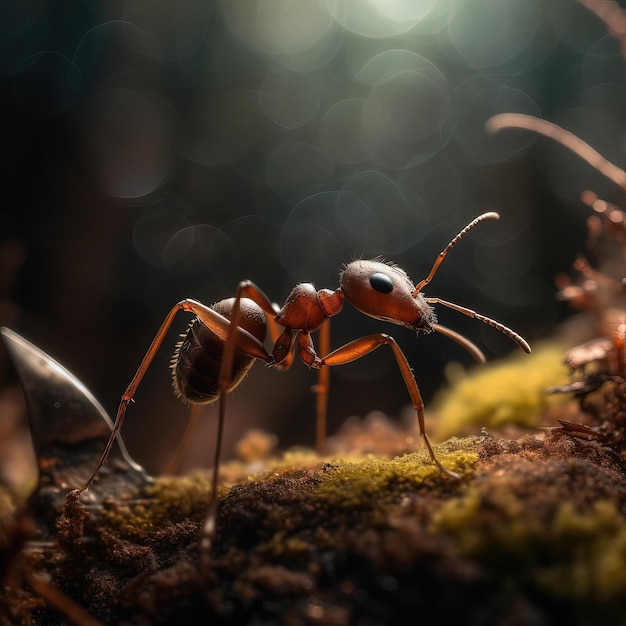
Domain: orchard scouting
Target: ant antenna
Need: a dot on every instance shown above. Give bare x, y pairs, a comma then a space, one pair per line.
511, 334
492, 215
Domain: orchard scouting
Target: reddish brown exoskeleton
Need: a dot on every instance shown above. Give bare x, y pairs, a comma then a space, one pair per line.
225, 339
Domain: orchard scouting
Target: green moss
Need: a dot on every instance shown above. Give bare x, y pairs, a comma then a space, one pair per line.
512, 391
579, 556
470, 522
167, 500
181, 495
592, 550
372, 481
281, 545
170, 499
366, 483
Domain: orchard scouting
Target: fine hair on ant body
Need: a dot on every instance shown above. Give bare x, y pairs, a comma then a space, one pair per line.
224, 340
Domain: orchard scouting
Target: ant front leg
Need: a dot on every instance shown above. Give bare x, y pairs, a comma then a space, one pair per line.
359, 348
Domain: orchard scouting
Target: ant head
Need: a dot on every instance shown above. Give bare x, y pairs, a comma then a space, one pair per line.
384, 291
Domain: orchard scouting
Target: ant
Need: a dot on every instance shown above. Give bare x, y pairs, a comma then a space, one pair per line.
223, 341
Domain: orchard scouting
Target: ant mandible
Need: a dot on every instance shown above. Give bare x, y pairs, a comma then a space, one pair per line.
223, 341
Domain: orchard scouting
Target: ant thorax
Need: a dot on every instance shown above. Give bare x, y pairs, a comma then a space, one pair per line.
385, 291
302, 309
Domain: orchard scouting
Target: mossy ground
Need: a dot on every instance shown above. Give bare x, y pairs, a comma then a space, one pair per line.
506, 393
534, 532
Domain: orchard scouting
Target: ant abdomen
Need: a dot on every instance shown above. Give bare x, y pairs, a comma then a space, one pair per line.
196, 360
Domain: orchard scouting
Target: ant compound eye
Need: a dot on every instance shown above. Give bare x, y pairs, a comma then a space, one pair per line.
381, 282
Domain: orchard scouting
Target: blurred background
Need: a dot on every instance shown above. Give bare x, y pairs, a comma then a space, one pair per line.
157, 150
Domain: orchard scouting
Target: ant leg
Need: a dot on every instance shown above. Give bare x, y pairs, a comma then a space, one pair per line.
249, 290
176, 461
442, 255
511, 334
284, 349
360, 347
218, 324
207, 535
245, 289
321, 389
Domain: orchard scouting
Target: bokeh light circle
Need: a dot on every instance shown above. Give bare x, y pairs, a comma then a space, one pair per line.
482, 97
201, 250
123, 44
290, 98
46, 84
375, 216
155, 229
24, 31
435, 185
406, 108
295, 168
227, 126
341, 133
310, 248
179, 29
277, 27
488, 34
380, 18
132, 141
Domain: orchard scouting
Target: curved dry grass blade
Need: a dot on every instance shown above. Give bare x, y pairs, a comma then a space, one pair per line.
564, 137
